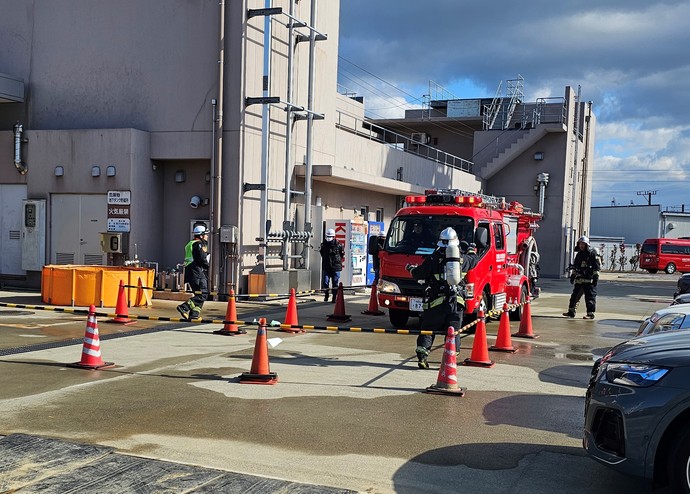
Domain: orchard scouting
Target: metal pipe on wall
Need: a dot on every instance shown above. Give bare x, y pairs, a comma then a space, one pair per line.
310, 128
217, 159
288, 133
265, 140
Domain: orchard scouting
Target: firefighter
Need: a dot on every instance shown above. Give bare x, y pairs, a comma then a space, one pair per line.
196, 258
444, 301
584, 275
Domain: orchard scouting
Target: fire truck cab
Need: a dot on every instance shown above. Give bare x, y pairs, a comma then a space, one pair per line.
507, 269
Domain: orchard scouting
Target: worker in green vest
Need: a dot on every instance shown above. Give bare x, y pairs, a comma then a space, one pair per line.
196, 259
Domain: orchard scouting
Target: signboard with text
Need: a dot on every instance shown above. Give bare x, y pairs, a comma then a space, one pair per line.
119, 202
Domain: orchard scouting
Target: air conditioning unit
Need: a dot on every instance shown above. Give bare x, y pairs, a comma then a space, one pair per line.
420, 137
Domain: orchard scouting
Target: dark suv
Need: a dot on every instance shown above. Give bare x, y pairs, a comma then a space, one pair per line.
637, 409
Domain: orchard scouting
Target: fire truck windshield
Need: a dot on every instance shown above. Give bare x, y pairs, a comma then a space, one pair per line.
418, 234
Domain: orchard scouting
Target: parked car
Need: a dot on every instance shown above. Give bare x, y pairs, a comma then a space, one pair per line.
637, 409
683, 285
672, 318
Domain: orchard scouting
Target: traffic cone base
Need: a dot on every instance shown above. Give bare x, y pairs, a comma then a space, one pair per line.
291, 315
230, 328
480, 353
503, 343
260, 372
447, 382
91, 349
339, 312
525, 330
373, 309
121, 310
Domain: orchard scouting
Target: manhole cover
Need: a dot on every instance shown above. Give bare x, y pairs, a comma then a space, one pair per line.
16, 312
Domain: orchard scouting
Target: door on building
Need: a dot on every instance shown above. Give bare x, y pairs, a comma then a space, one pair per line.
11, 197
77, 221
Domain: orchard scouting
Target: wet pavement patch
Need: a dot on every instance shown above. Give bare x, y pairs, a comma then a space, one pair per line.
46, 465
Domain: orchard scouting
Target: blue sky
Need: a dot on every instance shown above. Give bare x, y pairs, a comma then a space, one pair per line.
629, 57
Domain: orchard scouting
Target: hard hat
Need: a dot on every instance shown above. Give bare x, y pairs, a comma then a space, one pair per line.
330, 233
583, 239
200, 230
447, 237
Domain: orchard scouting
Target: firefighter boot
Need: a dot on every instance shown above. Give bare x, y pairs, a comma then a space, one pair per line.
195, 313
422, 357
570, 313
335, 295
325, 296
590, 315
184, 309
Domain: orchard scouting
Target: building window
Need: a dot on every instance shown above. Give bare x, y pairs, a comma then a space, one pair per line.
379, 214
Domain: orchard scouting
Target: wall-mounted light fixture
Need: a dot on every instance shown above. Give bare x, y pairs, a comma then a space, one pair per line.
95, 171
539, 155
180, 176
197, 201
59, 171
110, 171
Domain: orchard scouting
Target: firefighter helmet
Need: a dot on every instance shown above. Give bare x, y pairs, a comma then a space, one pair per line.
583, 239
447, 237
330, 234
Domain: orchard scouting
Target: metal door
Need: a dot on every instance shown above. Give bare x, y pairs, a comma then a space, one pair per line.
11, 197
77, 221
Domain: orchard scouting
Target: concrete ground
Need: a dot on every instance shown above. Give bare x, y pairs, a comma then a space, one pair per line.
349, 410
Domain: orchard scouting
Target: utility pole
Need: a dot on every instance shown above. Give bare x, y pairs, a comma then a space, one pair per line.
648, 193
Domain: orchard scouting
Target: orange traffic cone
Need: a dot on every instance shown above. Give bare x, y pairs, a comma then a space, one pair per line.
121, 310
291, 315
260, 372
503, 343
142, 295
230, 328
480, 353
91, 350
447, 382
373, 309
339, 312
525, 330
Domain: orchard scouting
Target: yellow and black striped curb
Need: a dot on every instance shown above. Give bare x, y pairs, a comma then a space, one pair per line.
273, 325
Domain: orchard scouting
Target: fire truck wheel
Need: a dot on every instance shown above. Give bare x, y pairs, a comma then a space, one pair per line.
516, 314
398, 317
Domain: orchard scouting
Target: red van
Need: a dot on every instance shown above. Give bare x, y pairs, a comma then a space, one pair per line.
669, 254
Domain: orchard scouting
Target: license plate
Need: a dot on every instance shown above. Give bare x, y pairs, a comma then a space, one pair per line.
416, 304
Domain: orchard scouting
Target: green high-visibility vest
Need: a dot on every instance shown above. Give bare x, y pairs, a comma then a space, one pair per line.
188, 256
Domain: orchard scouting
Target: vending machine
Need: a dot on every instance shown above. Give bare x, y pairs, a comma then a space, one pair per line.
375, 227
352, 234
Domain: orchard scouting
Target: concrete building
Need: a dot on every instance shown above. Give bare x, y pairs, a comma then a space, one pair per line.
138, 119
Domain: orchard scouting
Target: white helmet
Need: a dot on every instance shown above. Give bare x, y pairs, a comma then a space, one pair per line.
448, 237
330, 234
583, 239
200, 230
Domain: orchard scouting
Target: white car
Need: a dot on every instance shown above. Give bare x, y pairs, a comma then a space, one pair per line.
671, 318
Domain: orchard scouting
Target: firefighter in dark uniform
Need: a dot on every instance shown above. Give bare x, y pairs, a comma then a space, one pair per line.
444, 301
196, 273
584, 275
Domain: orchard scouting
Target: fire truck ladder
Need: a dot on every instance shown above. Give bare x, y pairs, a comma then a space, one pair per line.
489, 200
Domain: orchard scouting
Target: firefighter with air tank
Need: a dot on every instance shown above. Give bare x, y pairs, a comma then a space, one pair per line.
444, 302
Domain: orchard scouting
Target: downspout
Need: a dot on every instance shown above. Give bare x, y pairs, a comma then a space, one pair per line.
585, 167
265, 143
573, 192
288, 136
21, 167
310, 128
217, 159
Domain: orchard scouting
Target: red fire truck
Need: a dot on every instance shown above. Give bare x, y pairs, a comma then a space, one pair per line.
507, 270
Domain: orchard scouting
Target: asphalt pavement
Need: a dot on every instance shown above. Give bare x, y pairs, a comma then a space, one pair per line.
348, 412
